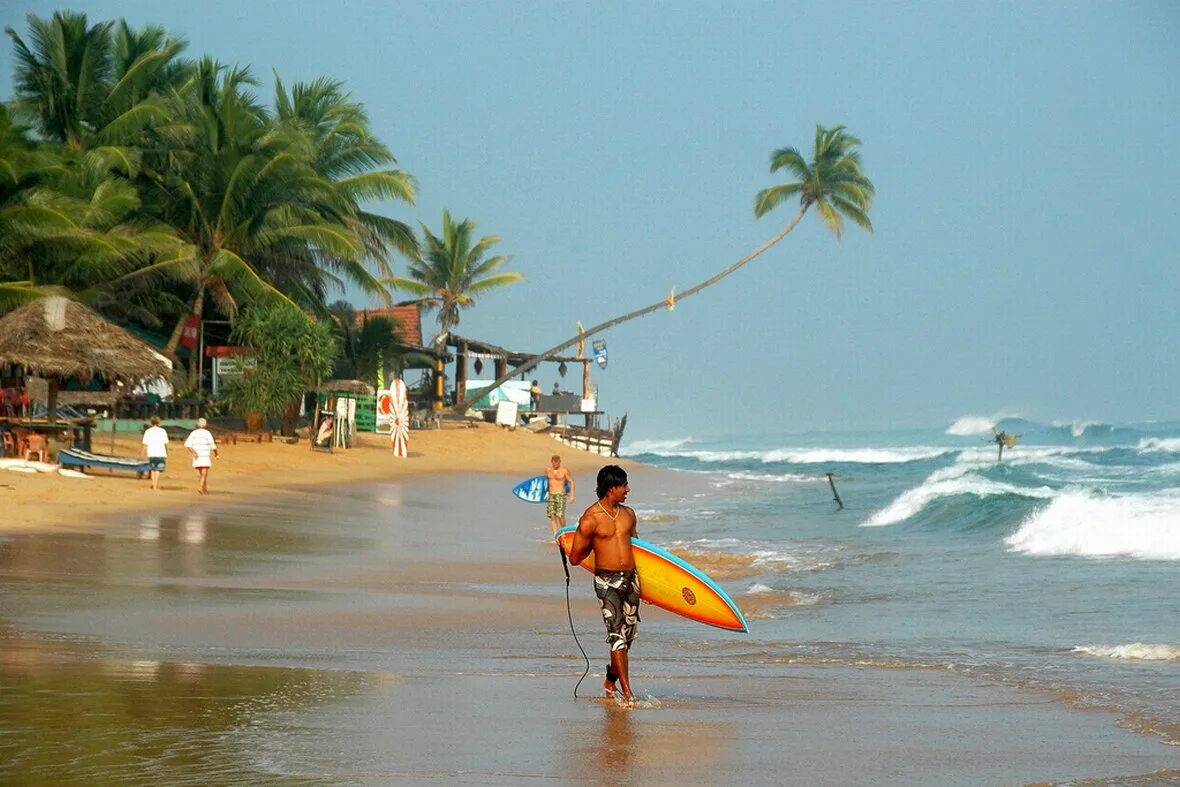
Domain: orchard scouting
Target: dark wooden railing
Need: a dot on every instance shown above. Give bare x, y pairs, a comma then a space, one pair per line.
166, 410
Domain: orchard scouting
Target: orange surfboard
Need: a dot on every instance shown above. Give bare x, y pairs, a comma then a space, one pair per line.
673, 584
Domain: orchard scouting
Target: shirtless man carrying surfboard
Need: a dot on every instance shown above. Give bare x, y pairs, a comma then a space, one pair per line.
606, 530
555, 507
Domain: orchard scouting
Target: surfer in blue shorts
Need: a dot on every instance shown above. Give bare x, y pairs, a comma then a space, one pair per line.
558, 478
606, 530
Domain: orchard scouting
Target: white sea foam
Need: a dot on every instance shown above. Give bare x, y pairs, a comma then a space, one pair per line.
633, 447
1083, 523
1078, 428
1135, 651
971, 425
1164, 445
958, 479
814, 455
758, 588
773, 478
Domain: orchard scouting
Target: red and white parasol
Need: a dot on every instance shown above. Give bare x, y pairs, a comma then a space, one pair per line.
399, 430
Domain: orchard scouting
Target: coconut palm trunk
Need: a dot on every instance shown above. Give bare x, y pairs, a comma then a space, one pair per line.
831, 181
666, 303
195, 310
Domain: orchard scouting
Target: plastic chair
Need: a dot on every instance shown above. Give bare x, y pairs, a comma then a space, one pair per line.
38, 444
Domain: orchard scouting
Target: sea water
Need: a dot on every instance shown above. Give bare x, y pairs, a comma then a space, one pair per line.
1056, 569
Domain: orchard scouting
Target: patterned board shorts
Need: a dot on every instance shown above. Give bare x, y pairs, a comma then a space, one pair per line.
618, 591
157, 462
555, 509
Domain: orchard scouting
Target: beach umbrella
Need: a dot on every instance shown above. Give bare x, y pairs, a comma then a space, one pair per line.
399, 430
55, 337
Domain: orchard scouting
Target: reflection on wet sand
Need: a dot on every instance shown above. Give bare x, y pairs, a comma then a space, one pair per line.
70, 718
637, 746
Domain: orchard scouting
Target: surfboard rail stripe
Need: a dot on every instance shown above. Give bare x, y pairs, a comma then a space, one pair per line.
674, 584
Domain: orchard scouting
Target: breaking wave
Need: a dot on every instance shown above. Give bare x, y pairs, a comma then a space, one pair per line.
951, 481
810, 455
1163, 445
659, 447
1135, 651
1086, 524
970, 425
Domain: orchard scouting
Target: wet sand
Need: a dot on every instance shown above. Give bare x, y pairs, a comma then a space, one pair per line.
414, 630
49, 501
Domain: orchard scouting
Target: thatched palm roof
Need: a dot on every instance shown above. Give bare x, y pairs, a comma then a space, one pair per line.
57, 337
347, 386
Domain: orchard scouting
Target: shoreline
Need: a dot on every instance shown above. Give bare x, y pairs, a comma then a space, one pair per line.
50, 502
386, 619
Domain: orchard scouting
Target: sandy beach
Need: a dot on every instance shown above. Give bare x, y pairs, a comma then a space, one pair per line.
48, 501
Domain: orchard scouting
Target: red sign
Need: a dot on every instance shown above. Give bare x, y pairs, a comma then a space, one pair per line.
192, 329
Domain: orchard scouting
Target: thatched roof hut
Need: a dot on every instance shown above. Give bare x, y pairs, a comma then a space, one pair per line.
55, 337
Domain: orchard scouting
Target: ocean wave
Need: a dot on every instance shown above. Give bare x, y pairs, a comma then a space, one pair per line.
774, 478
1086, 524
876, 456
1080, 429
1135, 651
651, 516
1162, 445
730, 558
655, 446
960, 479
970, 425
761, 602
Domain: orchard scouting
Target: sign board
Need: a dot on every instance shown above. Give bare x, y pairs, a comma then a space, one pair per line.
506, 414
230, 367
384, 411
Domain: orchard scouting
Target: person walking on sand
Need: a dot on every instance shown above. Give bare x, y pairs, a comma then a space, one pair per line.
606, 530
202, 446
155, 448
555, 506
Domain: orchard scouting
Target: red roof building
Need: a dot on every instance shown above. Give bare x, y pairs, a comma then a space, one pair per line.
407, 318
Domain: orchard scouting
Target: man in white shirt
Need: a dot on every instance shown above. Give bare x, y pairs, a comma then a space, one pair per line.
201, 445
155, 448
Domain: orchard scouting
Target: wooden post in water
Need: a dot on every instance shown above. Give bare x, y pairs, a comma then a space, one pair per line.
835, 494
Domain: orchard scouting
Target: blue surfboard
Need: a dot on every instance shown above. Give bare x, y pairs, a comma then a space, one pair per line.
535, 489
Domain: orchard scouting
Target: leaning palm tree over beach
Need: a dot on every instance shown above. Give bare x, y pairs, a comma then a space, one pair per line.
453, 271
832, 182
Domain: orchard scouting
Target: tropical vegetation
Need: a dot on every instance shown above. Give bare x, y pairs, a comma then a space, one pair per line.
288, 355
452, 271
160, 189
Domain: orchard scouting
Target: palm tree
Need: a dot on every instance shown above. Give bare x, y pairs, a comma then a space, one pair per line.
241, 192
345, 151
67, 225
365, 343
832, 182
95, 87
452, 272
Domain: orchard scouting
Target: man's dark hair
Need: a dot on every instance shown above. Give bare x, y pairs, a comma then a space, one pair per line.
609, 477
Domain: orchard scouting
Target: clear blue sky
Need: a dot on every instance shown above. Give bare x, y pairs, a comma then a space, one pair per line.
1026, 157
